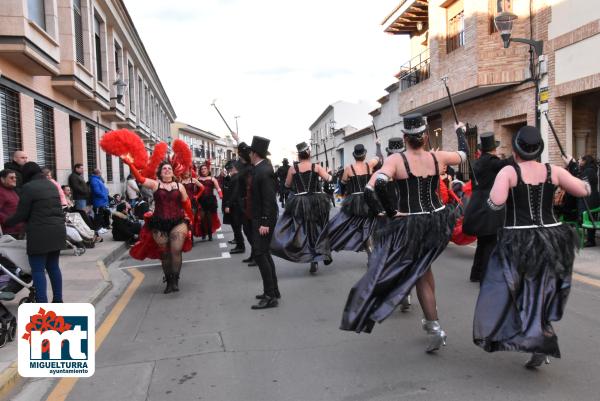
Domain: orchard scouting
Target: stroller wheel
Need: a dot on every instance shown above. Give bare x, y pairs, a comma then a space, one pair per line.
11, 331
3, 337
25, 300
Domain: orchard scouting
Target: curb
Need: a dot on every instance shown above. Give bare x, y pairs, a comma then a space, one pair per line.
10, 378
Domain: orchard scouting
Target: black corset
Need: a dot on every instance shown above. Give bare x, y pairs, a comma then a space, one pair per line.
357, 183
531, 205
419, 194
306, 182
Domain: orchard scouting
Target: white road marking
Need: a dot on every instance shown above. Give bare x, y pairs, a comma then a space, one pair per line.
222, 245
220, 236
224, 255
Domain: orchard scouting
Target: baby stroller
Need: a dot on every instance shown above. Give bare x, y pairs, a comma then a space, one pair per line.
79, 235
15, 274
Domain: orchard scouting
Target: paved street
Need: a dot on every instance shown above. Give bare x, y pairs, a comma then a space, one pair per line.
204, 343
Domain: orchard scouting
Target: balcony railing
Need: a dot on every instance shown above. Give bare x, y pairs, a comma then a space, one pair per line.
414, 71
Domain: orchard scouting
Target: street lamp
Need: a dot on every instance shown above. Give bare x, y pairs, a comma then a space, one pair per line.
504, 24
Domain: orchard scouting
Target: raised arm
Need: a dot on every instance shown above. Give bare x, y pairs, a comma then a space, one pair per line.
145, 182
573, 185
323, 173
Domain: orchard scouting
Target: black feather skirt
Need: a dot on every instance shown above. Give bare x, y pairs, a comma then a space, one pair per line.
352, 227
404, 250
298, 229
524, 289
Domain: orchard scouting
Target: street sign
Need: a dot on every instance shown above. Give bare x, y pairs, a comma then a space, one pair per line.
544, 95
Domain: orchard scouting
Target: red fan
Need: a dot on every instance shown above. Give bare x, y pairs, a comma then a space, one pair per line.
182, 157
125, 143
158, 155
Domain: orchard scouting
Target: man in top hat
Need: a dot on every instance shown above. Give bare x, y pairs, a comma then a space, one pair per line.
282, 172
264, 217
480, 220
244, 168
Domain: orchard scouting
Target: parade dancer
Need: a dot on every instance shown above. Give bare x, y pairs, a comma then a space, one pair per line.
351, 228
306, 214
479, 219
282, 173
527, 281
244, 168
194, 188
209, 220
419, 231
233, 207
264, 217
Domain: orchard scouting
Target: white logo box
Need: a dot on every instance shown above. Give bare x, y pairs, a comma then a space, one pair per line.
59, 342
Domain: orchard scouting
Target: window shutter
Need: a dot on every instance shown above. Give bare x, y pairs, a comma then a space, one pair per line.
109, 170
44, 136
90, 141
10, 122
78, 31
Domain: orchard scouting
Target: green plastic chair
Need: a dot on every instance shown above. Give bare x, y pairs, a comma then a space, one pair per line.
587, 222
578, 229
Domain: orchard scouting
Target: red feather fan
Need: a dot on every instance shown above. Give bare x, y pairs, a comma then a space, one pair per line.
125, 143
182, 157
158, 155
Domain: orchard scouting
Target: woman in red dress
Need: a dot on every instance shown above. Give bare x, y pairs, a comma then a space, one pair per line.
168, 224
209, 220
194, 189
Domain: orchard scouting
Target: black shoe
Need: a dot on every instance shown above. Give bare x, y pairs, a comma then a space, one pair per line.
327, 262
175, 284
248, 259
266, 303
232, 242
169, 280
252, 264
210, 237
313, 267
237, 250
589, 244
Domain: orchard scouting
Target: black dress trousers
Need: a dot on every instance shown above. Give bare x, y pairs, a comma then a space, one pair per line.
262, 256
485, 246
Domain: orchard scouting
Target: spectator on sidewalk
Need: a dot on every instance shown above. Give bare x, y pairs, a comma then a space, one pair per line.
132, 191
16, 164
99, 193
80, 190
48, 173
590, 172
113, 201
68, 196
39, 207
9, 199
125, 227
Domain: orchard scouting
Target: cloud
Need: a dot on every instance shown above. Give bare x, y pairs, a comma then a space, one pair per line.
272, 71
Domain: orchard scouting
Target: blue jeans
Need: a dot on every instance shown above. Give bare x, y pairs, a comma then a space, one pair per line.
80, 204
39, 265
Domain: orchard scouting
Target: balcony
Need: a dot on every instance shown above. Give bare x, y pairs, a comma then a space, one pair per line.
414, 71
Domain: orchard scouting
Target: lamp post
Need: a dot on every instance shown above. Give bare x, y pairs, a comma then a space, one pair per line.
504, 24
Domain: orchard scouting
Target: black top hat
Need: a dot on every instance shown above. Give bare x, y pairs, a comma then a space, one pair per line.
395, 145
414, 124
488, 142
229, 165
302, 147
260, 146
359, 150
285, 161
528, 143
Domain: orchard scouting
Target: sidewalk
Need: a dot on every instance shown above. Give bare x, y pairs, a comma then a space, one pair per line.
587, 262
85, 279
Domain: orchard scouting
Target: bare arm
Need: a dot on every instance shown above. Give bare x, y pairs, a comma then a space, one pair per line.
571, 184
506, 178
288, 179
449, 158
323, 173
345, 175
184, 195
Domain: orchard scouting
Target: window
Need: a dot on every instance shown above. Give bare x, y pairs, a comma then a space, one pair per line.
117, 59
44, 136
496, 7
98, 47
131, 87
109, 170
78, 31
121, 170
141, 99
90, 142
455, 35
37, 12
10, 122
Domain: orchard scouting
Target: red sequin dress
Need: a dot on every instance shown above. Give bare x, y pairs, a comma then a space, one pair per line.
209, 205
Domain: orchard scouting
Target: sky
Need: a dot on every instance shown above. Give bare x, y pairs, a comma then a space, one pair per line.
277, 64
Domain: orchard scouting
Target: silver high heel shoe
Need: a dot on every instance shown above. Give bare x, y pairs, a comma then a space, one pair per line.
405, 304
536, 360
437, 336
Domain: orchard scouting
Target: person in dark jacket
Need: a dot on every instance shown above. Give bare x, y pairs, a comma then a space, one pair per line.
80, 190
589, 171
233, 205
480, 220
9, 199
282, 173
264, 217
245, 195
39, 207
125, 227
16, 164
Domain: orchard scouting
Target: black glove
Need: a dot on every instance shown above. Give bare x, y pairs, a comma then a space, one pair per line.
385, 197
372, 201
463, 145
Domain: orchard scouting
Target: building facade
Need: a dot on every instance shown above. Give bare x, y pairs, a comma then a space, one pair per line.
202, 143
71, 70
386, 119
325, 137
493, 86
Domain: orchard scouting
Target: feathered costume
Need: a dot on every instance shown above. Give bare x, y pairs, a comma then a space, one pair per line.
209, 205
128, 146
